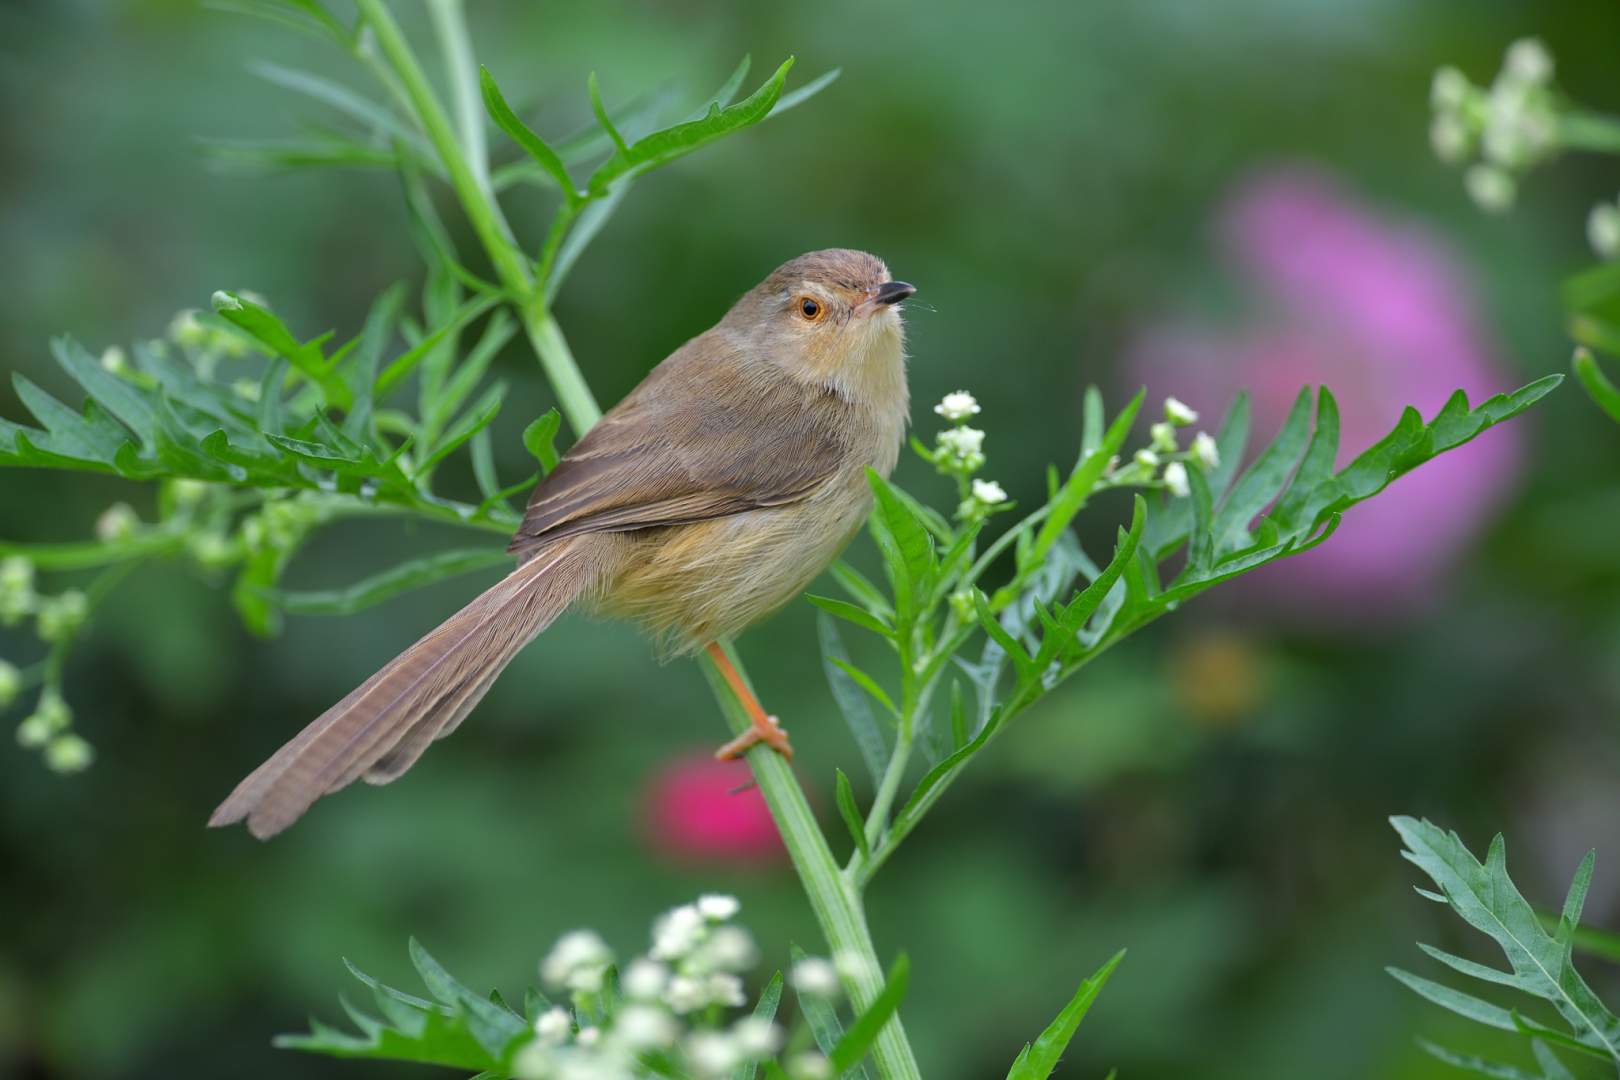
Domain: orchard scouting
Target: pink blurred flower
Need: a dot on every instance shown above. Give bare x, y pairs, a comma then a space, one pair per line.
693, 811
1379, 311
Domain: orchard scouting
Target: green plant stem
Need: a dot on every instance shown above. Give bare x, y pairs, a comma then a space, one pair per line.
450, 23
832, 893
877, 819
1590, 131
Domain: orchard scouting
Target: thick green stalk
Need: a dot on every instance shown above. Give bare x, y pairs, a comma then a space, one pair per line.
832, 893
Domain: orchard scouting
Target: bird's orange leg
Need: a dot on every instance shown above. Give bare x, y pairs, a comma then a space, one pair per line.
765, 730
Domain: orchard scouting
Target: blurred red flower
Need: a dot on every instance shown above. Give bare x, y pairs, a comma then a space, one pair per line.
1378, 310
697, 809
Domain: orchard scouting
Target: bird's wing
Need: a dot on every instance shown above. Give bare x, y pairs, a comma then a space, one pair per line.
700, 438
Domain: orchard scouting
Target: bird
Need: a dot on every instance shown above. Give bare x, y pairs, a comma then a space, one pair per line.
707, 498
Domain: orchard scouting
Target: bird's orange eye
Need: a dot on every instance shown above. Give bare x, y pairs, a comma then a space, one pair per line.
810, 309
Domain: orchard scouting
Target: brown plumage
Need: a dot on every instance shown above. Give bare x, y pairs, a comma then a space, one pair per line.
707, 498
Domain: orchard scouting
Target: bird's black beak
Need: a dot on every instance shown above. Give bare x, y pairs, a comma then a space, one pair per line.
892, 292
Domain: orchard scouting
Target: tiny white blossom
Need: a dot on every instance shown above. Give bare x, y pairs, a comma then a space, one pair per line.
1175, 479
726, 989
645, 1027
1528, 61
964, 442
1603, 230
1178, 412
117, 522
1205, 452
854, 965
756, 1037
16, 574
69, 754
957, 406
577, 956
645, 978
676, 931
718, 907
813, 975
730, 948
686, 993
588, 1036
1491, 188
1147, 459
1449, 89
1450, 139
989, 492
553, 1025
711, 1053
809, 1066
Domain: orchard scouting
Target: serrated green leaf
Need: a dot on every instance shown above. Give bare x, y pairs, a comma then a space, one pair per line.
1263, 481
261, 324
1485, 897
907, 547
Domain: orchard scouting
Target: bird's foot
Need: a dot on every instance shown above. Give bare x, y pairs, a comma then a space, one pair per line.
765, 730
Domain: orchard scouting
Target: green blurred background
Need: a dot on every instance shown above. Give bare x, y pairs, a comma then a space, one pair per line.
1212, 795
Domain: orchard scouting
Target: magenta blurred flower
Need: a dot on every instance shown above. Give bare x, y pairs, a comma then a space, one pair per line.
1378, 310
693, 811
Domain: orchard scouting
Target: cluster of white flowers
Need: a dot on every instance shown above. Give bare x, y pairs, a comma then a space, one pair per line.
1164, 453
672, 1001
1513, 124
959, 452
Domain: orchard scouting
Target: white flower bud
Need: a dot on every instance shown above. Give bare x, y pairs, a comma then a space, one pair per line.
730, 948
726, 989
188, 492
68, 754
1205, 452
816, 976
809, 1066
1528, 61
1603, 230
711, 1053
185, 329
588, 1036
1175, 480
33, 732
676, 932
686, 994
1450, 139
246, 389
1164, 437
553, 1026
114, 359
1449, 90
645, 1027
718, 907
962, 442
59, 616
1491, 188
578, 958
118, 522
989, 492
957, 406
756, 1037
16, 574
1178, 412
1147, 459
645, 978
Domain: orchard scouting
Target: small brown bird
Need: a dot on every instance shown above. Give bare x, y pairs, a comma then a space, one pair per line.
706, 499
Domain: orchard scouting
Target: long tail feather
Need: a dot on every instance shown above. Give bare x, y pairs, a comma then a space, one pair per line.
380, 729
